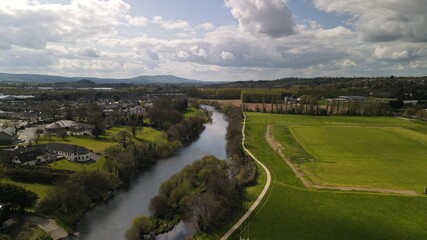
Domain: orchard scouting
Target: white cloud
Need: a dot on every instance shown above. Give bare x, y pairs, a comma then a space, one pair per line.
33, 25
197, 51
138, 21
182, 54
206, 26
383, 20
93, 38
345, 63
171, 25
227, 55
270, 18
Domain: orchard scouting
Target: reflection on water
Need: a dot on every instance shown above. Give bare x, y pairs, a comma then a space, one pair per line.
180, 232
110, 221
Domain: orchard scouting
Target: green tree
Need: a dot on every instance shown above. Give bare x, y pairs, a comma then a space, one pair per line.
135, 123
124, 138
96, 119
17, 196
140, 226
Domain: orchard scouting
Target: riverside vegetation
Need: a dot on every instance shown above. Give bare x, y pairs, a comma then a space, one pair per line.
206, 192
71, 189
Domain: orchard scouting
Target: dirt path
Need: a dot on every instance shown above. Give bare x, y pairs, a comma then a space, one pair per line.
49, 226
300, 175
261, 195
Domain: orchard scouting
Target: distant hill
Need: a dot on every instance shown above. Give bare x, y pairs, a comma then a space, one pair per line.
85, 82
155, 79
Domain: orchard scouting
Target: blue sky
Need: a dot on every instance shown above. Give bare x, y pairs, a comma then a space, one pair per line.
214, 40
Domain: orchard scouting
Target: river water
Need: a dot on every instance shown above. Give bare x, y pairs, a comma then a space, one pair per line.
110, 221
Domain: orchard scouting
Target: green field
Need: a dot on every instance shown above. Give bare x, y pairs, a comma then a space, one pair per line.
98, 146
107, 140
394, 158
39, 189
294, 212
79, 167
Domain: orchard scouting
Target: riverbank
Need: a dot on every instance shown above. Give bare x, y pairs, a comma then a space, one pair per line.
113, 218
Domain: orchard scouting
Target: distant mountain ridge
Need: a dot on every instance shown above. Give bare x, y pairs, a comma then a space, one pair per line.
145, 79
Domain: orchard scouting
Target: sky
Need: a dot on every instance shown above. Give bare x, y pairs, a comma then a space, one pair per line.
214, 40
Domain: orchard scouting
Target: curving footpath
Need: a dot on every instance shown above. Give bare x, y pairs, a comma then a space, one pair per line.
262, 194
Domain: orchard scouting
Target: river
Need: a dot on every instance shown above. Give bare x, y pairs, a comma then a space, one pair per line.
111, 220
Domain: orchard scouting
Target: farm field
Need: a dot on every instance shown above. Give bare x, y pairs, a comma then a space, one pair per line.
294, 212
390, 157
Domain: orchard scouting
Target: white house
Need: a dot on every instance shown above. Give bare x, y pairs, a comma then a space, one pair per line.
71, 152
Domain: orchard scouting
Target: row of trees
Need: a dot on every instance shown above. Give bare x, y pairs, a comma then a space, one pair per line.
405, 88
242, 167
259, 94
311, 105
215, 93
125, 162
33, 174
71, 198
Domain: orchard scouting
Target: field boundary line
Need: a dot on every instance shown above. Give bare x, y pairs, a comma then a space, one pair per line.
260, 196
276, 146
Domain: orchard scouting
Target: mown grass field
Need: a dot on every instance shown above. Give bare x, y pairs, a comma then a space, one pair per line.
294, 212
105, 141
390, 157
79, 167
40, 189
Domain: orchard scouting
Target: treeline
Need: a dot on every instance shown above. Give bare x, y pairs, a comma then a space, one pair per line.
187, 130
263, 95
278, 95
242, 167
126, 162
215, 93
404, 88
34, 174
267, 95
311, 105
68, 200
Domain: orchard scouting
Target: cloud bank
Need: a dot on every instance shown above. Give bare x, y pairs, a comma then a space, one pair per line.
103, 38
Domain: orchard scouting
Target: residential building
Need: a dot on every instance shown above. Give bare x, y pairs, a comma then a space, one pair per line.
8, 136
30, 158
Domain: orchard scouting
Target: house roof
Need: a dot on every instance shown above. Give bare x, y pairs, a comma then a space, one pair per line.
62, 124
9, 131
29, 156
68, 148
